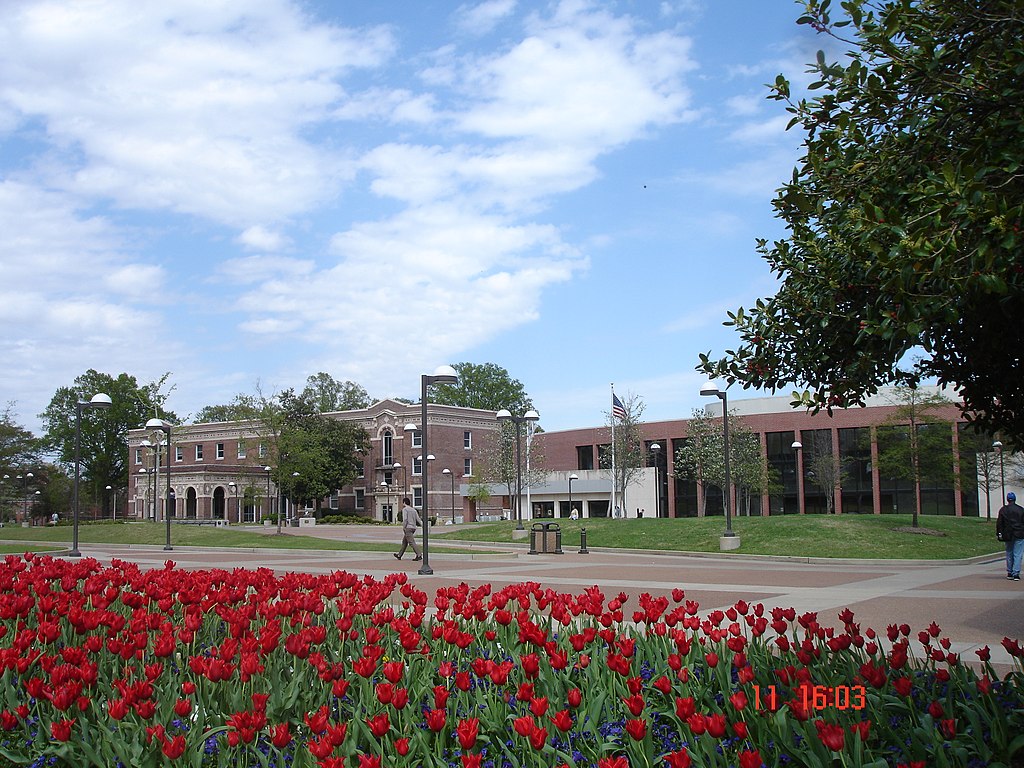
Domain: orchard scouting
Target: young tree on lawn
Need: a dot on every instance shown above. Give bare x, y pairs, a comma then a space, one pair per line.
904, 217
915, 444
749, 469
627, 444
702, 458
496, 460
823, 468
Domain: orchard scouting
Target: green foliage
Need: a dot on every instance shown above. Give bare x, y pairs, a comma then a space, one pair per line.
328, 394
904, 216
242, 408
487, 386
18, 446
104, 432
316, 454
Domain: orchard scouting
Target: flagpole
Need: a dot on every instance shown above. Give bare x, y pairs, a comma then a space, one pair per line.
614, 490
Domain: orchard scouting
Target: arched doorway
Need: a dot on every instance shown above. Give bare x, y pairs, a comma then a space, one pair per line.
218, 503
191, 503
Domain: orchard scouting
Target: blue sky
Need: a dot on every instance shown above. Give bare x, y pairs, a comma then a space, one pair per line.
244, 194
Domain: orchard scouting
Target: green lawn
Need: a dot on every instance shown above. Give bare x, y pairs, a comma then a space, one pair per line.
837, 536
188, 536
842, 536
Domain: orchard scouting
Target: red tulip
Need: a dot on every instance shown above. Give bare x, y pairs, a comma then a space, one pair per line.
562, 720
523, 725
716, 725
280, 737
436, 719
680, 759
636, 729
61, 729
174, 748
472, 761
379, 724
750, 759
467, 731
832, 736
574, 698
402, 746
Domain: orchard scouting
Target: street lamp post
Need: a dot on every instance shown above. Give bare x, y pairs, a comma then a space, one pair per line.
528, 417
234, 487
270, 508
729, 539
24, 514
656, 450
798, 447
98, 400
165, 427
451, 479
572, 477
387, 492
998, 445
405, 477
445, 374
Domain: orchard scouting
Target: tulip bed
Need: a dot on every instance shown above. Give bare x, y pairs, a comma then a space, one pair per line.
115, 666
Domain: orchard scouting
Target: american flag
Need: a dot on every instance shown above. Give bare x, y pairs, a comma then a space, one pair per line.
618, 411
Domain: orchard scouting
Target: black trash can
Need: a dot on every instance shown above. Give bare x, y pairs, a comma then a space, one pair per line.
545, 538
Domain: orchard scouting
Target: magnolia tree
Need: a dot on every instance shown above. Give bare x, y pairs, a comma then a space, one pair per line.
904, 217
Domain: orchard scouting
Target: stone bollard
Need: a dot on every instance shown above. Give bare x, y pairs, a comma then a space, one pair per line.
583, 542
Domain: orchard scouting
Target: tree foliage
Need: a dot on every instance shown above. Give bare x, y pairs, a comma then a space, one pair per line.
904, 215
487, 386
310, 455
18, 446
239, 409
104, 432
328, 394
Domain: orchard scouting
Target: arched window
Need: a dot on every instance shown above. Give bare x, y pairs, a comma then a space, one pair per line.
387, 448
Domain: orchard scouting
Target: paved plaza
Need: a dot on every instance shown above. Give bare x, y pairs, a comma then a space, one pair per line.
971, 601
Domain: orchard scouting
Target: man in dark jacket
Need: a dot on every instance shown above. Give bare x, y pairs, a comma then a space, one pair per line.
1010, 531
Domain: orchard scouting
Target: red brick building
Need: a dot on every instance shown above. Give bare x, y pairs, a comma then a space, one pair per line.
219, 471
851, 433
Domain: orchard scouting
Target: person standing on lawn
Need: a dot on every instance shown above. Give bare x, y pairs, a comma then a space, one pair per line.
1010, 531
410, 522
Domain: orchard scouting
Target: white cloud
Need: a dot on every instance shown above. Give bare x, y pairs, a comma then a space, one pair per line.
484, 17
196, 107
579, 78
259, 238
768, 131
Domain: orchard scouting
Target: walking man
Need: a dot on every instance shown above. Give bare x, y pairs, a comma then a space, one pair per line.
410, 522
1010, 531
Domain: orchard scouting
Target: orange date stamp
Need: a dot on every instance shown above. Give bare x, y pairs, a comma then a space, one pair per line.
815, 697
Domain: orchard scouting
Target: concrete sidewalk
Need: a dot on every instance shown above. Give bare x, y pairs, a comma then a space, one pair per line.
971, 601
